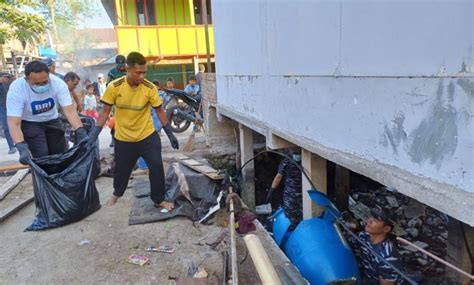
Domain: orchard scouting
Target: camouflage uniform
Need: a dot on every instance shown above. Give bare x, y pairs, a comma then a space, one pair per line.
113, 74
372, 268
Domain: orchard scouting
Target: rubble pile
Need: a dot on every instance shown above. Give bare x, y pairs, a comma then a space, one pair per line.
422, 225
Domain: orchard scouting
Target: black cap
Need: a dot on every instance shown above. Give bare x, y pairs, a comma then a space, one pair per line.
120, 60
383, 214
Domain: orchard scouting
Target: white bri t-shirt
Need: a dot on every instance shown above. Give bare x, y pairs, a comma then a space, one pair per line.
30, 106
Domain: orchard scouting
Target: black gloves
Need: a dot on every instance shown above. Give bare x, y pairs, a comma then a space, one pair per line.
95, 132
81, 134
269, 195
25, 155
173, 140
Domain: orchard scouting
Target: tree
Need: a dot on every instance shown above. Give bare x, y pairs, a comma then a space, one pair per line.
66, 14
16, 23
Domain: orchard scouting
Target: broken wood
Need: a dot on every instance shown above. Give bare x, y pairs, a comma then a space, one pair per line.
12, 183
199, 167
4, 214
16, 166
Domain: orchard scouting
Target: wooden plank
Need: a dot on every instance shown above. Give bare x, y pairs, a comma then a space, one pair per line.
182, 157
12, 183
204, 169
12, 209
16, 166
194, 163
233, 244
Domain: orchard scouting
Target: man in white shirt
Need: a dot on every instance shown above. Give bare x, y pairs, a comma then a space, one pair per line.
32, 113
101, 84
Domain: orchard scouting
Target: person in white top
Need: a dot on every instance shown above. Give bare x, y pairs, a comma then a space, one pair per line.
32, 112
101, 84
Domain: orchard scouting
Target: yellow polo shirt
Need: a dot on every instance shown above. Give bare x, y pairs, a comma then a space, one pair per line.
133, 121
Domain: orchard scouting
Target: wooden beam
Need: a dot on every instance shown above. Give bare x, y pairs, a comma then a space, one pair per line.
457, 252
233, 244
20, 203
12, 183
315, 167
16, 166
248, 172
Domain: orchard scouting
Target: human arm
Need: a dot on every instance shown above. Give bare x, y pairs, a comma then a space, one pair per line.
155, 102
276, 182
14, 126
72, 116
166, 126
77, 99
104, 115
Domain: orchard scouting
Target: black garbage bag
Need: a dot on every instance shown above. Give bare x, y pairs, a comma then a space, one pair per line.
64, 186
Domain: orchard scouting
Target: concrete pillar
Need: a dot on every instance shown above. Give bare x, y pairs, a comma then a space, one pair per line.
342, 187
457, 253
248, 173
315, 167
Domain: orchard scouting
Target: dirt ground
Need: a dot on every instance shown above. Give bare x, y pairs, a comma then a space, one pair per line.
56, 257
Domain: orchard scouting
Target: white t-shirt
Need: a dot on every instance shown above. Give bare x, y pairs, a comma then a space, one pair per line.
30, 106
90, 103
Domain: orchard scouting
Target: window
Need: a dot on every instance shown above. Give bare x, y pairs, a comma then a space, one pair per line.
146, 12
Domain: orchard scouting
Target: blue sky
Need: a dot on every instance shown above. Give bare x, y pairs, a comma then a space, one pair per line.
101, 20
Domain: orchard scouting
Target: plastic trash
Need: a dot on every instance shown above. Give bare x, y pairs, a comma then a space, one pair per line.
138, 259
64, 186
84, 242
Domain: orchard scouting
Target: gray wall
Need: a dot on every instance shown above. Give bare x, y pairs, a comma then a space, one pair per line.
385, 88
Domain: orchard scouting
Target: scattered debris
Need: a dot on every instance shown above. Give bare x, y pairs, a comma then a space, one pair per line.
201, 274
138, 259
84, 242
161, 248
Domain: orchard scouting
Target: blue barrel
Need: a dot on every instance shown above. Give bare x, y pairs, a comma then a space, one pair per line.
316, 247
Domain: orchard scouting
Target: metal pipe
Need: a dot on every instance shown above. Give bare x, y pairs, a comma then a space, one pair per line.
402, 240
262, 262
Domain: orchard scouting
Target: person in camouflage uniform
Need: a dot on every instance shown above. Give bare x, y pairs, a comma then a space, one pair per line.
377, 236
292, 195
118, 71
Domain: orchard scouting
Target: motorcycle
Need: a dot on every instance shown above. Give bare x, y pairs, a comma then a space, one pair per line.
182, 109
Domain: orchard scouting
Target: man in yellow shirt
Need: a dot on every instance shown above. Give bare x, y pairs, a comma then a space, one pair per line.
133, 97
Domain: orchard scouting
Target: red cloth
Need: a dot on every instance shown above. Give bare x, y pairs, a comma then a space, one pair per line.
92, 113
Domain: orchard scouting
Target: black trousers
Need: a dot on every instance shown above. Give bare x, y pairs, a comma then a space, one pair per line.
126, 156
44, 138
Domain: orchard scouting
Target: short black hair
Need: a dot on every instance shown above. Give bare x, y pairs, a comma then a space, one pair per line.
135, 58
192, 77
156, 82
170, 79
89, 86
71, 76
36, 67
